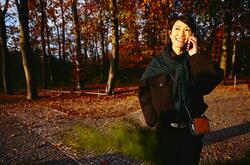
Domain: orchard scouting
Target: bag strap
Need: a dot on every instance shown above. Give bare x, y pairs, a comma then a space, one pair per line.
189, 115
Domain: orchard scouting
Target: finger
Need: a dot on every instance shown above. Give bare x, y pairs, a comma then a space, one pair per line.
193, 39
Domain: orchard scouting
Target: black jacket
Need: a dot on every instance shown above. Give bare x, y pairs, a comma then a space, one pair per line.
155, 94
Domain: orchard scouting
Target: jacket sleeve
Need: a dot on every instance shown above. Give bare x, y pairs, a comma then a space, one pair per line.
145, 100
207, 75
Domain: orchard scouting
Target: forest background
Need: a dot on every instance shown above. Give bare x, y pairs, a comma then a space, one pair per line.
68, 44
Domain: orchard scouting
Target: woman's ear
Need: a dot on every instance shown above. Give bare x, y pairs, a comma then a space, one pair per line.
169, 33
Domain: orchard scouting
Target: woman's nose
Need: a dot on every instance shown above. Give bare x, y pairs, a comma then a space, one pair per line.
182, 33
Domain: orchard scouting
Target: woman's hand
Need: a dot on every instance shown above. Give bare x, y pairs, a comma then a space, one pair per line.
194, 48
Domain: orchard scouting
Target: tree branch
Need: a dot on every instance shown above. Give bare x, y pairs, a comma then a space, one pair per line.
6, 6
17, 5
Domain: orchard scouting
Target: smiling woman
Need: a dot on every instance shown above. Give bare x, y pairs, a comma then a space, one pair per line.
172, 90
179, 35
182, 34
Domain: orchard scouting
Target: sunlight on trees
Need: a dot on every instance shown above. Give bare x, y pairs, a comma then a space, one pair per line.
73, 43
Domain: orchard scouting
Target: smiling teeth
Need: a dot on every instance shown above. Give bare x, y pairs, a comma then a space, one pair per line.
179, 39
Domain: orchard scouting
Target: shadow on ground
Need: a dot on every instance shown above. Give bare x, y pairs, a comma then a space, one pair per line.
220, 135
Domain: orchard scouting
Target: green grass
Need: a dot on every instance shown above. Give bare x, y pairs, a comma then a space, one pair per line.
138, 143
135, 142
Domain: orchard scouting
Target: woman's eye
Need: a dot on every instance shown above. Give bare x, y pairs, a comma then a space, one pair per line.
177, 28
188, 30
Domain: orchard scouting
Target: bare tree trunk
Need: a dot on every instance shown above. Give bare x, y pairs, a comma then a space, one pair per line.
63, 42
223, 61
102, 38
97, 57
79, 56
44, 55
4, 52
85, 38
104, 59
115, 48
85, 49
51, 77
23, 13
58, 39
226, 40
233, 68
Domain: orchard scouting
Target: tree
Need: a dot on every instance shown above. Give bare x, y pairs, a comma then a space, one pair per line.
54, 20
226, 39
23, 15
115, 48
48, 34
79, 56
4, 51
44, 55
63, 39
51, 76
103, 36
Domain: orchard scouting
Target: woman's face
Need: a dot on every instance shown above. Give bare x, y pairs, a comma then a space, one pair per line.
180, 34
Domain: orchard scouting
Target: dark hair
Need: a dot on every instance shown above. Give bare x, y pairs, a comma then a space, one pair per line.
185, 19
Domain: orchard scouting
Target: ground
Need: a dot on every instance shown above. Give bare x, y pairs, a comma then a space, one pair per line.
54, 113
81, 104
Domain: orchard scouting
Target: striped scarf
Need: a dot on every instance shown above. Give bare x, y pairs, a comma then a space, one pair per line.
166, 64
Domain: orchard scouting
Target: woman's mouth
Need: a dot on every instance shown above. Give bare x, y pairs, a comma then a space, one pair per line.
180, 39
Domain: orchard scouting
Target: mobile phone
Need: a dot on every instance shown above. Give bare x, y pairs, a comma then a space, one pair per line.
188, 46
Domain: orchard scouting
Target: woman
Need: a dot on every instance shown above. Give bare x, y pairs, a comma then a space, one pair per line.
176, 81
